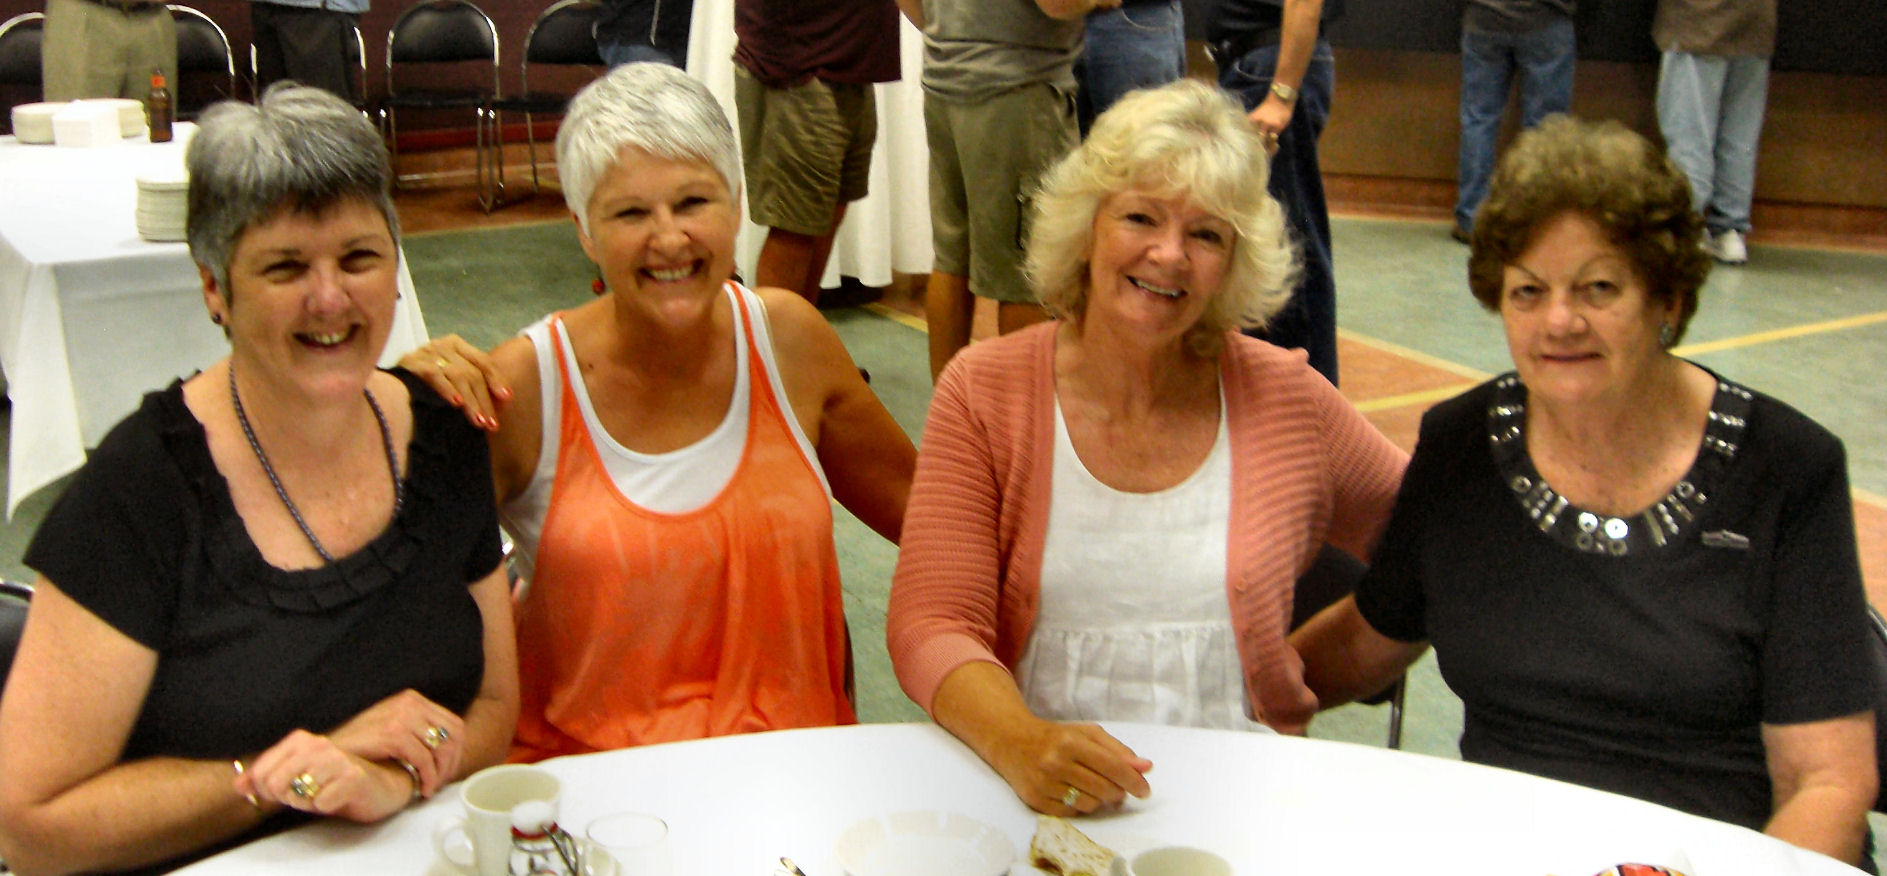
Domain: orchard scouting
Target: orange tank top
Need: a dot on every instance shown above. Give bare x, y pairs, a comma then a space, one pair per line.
644, 627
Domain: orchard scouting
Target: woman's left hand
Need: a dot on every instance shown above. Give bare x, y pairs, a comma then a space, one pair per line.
408, 727
311, 773
463, 375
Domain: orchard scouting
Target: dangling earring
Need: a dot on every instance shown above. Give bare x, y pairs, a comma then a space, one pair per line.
1667, 334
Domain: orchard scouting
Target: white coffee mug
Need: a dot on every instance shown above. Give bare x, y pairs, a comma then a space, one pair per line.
1179, 861
480, 842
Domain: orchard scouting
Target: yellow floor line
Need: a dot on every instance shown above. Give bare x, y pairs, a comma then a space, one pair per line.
1875, 499
1781, 334
1416, 355
1427, 396
899, 317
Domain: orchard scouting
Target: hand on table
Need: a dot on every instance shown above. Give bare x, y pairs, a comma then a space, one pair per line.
1046, 759
463, 375
408, 727
311, 773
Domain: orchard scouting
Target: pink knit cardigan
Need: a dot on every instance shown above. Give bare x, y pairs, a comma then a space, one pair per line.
1306, 469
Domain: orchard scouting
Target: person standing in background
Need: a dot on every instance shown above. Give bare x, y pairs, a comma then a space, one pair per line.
1713, 85
1139, 44
1272, 54
106, 48
999, 108
309, 41
803, 75
644, 30
1499, 40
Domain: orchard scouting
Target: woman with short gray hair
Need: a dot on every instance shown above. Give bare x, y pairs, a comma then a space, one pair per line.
666, 456
274, 591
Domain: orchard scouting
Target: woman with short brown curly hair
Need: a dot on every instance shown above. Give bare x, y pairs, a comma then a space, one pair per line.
1638, 575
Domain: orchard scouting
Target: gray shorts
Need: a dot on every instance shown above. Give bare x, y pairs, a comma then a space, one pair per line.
985, 160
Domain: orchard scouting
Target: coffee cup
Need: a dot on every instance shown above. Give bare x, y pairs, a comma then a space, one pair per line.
1179, 861
480, 841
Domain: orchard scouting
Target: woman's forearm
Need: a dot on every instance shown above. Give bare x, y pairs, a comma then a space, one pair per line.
1828, 819
129, 815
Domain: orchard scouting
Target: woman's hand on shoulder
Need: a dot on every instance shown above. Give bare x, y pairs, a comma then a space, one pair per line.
1043, 760
312, 773
408, 727
463, 375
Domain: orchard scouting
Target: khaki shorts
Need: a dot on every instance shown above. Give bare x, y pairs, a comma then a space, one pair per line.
985, 159
805, 150
92, 50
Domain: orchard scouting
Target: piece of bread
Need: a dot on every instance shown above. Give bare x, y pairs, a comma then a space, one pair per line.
1059, 848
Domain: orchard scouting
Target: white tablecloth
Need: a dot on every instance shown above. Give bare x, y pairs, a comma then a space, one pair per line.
1269, 804
93, 316
889, 230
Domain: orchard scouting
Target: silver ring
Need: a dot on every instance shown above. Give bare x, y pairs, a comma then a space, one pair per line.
435, 736
1072, 797
304, 786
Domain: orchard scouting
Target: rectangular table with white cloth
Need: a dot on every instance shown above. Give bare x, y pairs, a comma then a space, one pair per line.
1266, 803
92, 316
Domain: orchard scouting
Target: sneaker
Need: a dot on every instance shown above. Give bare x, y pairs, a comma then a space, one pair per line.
1727, 247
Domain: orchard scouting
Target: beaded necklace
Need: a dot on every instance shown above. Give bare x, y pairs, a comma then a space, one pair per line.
386, 439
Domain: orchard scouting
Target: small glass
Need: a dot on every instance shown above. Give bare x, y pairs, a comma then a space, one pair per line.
627, 844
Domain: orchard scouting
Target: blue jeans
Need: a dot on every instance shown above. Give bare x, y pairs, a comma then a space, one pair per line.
1128, 47
1309, 321
618, 54
1543, 60
1710, 109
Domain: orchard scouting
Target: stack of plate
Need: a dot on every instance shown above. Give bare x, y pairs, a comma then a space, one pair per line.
32, 122
162, 206
85, 123
130, 114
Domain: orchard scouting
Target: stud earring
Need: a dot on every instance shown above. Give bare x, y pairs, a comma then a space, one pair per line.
216, 318
1667, 334
597, 286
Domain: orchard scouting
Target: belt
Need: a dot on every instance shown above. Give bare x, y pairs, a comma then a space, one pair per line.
1230, 49
129, 5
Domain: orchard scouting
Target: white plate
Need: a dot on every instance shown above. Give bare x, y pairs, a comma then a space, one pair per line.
924, 844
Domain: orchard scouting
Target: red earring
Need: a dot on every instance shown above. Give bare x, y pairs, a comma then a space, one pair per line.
597, 286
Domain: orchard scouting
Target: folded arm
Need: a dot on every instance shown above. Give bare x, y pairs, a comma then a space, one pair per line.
1824, 780
1346, 659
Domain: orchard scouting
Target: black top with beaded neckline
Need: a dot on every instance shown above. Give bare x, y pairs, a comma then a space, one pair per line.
1658, 526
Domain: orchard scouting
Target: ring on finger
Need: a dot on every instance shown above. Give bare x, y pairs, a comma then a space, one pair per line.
1072, 797
435, 736
441, 363
304, 786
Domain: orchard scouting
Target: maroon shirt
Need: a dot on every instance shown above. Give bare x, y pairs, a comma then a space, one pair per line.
786, 42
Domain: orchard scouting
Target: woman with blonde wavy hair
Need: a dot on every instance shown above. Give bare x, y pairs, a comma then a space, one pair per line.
1110, 510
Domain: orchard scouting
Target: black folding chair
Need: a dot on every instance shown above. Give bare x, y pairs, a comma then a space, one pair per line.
439, 32
20, 73
203, 50
14, 599
1333, 576
564, 34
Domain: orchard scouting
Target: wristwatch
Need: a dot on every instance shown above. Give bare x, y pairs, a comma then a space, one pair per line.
1284, 92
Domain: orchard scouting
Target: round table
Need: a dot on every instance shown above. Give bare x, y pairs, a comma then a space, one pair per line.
1269, 804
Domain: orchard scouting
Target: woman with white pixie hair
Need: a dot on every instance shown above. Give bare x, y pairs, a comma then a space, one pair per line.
1110, 511
665, 456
